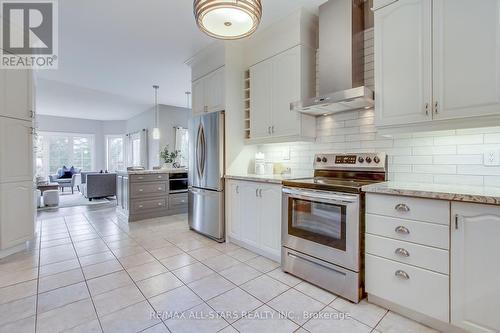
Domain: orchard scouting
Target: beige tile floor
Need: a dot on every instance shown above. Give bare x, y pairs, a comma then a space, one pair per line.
90, 272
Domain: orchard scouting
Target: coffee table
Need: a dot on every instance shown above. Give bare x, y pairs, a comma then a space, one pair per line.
49, 186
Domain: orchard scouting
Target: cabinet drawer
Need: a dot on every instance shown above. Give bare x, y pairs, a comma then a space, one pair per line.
418, 232
139, 206
149, 178
178, 200
423, 291
417, 255
148, 189
434, 211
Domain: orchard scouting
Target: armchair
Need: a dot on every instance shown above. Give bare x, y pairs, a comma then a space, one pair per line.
75, 180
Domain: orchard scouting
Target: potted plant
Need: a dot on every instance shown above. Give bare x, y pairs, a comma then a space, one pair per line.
169, 157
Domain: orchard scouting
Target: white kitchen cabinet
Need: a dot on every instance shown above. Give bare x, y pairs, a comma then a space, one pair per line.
260, 100
16, 98
466, 58
270, 219
475, 268
16, 150
233, 208
436, 63
403, 73
209, 93
274, 84
16, 213
253, 216
198, 96
250, 214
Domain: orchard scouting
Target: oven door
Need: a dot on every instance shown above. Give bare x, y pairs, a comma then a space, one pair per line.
322, 224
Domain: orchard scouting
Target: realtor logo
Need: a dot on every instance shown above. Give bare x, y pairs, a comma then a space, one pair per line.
29, 34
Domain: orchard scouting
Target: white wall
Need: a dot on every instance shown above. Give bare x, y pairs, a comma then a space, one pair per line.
170, 116
443, 157
84, 126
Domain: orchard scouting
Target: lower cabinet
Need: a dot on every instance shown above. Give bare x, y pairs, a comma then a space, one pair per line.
253, 216
17, 221
446, 272
475, 267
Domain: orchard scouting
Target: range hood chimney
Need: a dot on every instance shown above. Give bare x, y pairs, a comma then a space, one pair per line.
341, 59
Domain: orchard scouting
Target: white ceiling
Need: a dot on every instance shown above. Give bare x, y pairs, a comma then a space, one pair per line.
112, 51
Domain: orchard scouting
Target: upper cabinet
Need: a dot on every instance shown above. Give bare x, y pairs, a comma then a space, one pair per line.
209, 93
466, 58
432, 71
274, 84
16, 95
403, 68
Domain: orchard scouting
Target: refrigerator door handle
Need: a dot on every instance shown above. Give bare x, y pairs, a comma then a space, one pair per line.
199, 151
203, 144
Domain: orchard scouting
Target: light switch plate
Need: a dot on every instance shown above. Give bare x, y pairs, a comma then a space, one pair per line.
492, 158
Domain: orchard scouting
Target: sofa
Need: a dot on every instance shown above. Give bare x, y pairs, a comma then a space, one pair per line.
98, 185
75, 179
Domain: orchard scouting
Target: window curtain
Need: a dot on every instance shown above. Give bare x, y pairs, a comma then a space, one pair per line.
182, 145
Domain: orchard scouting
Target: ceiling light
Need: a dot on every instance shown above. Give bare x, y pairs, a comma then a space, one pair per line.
228, 19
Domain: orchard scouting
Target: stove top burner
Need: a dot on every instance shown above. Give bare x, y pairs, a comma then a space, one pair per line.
330, 184
344, 172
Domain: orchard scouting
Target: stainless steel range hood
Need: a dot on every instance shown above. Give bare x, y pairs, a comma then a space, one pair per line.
341, 59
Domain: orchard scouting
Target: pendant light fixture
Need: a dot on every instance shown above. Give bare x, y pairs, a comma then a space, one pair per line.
228, 19
156, 130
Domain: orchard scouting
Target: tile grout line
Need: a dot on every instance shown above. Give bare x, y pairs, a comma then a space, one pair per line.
84, 279
38, 272
125, 270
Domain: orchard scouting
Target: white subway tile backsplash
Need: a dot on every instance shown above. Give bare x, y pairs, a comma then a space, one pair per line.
435, 169
442, 157
459, 139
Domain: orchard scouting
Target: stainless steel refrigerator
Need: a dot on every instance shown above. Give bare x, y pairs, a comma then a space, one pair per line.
206, 172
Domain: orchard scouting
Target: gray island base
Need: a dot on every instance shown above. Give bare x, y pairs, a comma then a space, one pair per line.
151, 193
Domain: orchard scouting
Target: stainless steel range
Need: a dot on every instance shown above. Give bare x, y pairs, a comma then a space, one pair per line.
323, 222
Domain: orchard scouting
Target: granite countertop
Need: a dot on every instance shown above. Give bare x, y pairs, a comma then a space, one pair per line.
273, 179
159, 171
465, 193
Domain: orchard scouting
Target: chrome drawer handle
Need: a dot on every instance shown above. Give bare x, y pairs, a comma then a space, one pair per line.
140, 177
402, 252
402, 207
402, 274
160, 204
141, 206
159, 177
141, 190
159, 188
402, 230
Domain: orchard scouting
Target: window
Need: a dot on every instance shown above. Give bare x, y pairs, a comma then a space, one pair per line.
55, 150
182, 145
115, 157
135, 149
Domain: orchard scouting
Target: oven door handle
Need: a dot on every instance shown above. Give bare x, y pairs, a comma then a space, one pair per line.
322, 196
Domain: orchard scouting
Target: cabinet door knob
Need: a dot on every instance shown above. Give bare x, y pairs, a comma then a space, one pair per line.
402, 274
426, 109
436, 108
402, 207
402, 252
402, 230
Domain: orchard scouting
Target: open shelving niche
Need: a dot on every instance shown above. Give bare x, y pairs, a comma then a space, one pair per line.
246, 104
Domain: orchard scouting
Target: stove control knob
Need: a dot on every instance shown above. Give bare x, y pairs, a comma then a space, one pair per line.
376, 159
368, 159
361, 159
324, 160
318, 159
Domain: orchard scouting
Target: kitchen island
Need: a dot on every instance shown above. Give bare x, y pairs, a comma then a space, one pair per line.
146, 194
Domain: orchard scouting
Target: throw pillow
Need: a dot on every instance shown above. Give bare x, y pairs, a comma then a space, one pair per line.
67, 175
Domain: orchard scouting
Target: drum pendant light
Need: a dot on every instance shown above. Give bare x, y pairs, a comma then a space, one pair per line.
228, 19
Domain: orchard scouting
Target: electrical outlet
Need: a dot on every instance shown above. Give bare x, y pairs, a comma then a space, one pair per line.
492, 158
